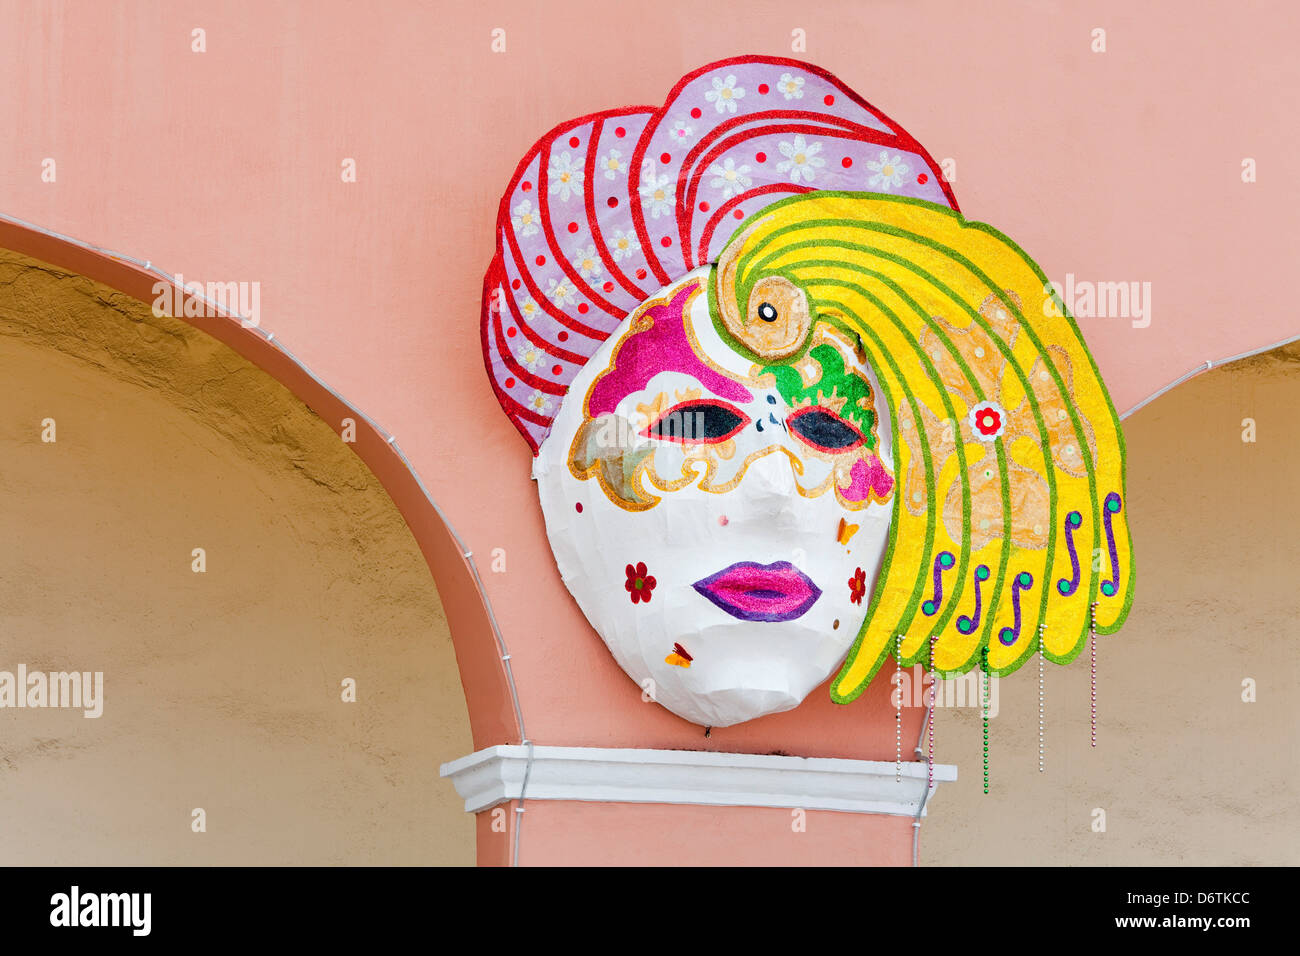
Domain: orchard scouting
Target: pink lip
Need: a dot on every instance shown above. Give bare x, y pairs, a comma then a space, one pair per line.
760, 592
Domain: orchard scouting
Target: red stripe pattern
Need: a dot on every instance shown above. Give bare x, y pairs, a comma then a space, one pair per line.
605, 210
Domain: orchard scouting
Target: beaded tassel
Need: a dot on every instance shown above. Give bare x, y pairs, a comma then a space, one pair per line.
1092, 629
1041, 738
984, 703
932, 689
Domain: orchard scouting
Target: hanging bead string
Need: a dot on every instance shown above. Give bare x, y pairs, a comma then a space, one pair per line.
1041, 748
984, 705
931, 718
898, 716
1092, 629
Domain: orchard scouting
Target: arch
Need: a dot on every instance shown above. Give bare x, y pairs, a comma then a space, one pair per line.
482, 662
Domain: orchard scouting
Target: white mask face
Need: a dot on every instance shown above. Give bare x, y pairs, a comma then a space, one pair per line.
720, 525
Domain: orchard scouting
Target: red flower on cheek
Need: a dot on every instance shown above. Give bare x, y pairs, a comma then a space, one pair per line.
857, 586
639, 583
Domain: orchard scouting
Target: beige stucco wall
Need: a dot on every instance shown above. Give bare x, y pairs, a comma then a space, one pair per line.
222, 689
1185, 771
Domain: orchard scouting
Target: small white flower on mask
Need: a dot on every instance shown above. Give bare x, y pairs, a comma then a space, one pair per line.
656, 193
801, 159
724, 94
564, 176
561, 292
525, 218
729, 178
887, 172
612, 163
625, 244
587, 261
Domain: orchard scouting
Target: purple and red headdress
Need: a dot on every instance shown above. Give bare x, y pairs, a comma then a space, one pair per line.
607, 209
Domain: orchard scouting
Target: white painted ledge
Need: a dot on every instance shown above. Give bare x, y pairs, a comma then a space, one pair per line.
617, 775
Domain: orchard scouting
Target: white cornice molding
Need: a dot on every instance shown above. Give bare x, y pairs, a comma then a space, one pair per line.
495, 775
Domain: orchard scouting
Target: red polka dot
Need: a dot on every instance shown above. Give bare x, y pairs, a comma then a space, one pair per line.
665, 242
578, 507
760, 157
608, 287
739, 214
640, 273
563, 336
573, 227
557, 370
540, 260
510, 332
695, 113
704, 207
846, 162
923, 179
510, 383
611, 202
620, 132
573, 141
829, 100
583, 308
515, 284
525, 185
762, 89
665, 158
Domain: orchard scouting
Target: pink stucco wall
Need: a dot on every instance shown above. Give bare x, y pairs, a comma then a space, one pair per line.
225, 165
566, 833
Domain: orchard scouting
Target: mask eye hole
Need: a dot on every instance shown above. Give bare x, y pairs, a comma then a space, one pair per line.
824, 430
699, 422
767, 312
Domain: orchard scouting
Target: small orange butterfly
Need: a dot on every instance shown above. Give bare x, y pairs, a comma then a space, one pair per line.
846, 532
679, 657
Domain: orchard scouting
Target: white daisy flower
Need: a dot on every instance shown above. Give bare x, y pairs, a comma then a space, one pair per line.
625, 245
656, 193
529, 309
730, 178
525, 218
887, 172
791, 86
724, 94
531, 357
564, 176
801, 159
539, 402
680, 131
561, 292
587, 261
612, 163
